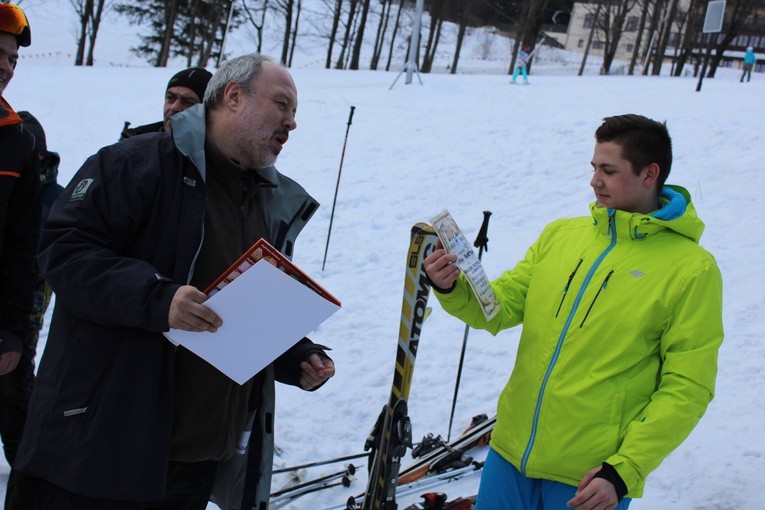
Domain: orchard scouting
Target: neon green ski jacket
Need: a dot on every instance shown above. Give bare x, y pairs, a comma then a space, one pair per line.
622, 322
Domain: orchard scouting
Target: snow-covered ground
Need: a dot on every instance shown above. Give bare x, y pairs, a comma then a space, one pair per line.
466, 143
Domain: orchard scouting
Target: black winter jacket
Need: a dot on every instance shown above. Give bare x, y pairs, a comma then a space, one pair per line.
119, 242
20, 211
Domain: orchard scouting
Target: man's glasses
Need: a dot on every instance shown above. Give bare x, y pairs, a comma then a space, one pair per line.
14, 21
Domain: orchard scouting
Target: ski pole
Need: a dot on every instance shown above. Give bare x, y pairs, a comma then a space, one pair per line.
350, 470
337, 186
481, 242
319, 463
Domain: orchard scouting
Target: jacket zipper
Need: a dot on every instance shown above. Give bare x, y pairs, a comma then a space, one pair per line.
602, 286
568, 284
559, 345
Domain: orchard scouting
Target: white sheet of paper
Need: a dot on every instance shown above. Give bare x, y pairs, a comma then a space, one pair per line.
264, 312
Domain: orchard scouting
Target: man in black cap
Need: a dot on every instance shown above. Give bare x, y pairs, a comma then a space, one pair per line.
186, 88
19, 230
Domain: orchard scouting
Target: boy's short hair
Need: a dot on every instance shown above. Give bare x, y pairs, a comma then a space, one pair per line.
643, 141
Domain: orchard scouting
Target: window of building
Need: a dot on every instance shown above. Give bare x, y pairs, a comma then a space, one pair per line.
630, 47
597, 45
632, 24
589, 20
580, 44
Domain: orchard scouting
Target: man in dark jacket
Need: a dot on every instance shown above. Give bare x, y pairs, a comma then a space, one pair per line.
16, 397
185, 89
19, 232
119, 416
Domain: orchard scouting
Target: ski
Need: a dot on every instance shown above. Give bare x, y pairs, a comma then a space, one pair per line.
430, 483
392, 433
435, 461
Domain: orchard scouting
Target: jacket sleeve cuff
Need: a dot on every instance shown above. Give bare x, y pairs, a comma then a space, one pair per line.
287, 366
439, 289
608, 473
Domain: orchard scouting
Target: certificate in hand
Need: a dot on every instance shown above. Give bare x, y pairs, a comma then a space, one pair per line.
454, 242
267, 305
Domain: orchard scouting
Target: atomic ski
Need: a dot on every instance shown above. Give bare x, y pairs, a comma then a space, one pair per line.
392, 433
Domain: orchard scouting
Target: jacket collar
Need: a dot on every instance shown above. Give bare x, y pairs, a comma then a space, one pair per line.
676, 214
8, 117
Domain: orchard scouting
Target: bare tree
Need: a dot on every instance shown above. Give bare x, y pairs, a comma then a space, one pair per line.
464, 6
666, 30
295, 32
646, 4
396, 25
89, 14
95, 22
333, 31
434, 34
590, 37
616, 16
251, 12
382, 28
286, 6
348, 29
356, 54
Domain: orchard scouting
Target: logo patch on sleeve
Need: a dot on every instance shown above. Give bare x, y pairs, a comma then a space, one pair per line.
81, 190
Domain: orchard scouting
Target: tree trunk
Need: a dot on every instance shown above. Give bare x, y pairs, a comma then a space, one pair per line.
333, 31
95, 23
639, 38
393, 37
287, 31
615, 31
356, 55
666, 31
84, 11
655, 20
347, 36
171, 11
433, 35
382, 27
294, 32
460, 36
589, 39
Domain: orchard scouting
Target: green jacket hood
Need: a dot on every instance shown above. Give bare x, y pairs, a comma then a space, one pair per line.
677, 213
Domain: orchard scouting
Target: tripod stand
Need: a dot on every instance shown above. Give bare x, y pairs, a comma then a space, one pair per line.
408, 68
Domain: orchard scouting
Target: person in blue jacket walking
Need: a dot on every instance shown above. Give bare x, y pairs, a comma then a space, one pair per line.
749, 60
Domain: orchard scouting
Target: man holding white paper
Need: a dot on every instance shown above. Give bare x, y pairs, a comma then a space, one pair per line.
121, 417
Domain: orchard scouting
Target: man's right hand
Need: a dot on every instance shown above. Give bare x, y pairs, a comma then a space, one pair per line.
8, 362
189, 314
441, 267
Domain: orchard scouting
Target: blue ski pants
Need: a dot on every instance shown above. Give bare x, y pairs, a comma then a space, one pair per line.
520, 69
503, 487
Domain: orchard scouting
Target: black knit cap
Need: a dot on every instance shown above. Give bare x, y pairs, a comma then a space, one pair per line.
195, 78
34, 127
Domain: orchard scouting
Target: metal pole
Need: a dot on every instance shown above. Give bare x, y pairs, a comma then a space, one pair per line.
414, 42
481, 242
337, 186
710, 39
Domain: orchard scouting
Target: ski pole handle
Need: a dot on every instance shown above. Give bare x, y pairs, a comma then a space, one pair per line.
481, 240
350, 117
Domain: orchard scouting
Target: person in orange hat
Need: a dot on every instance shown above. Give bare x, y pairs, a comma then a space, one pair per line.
20, 210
